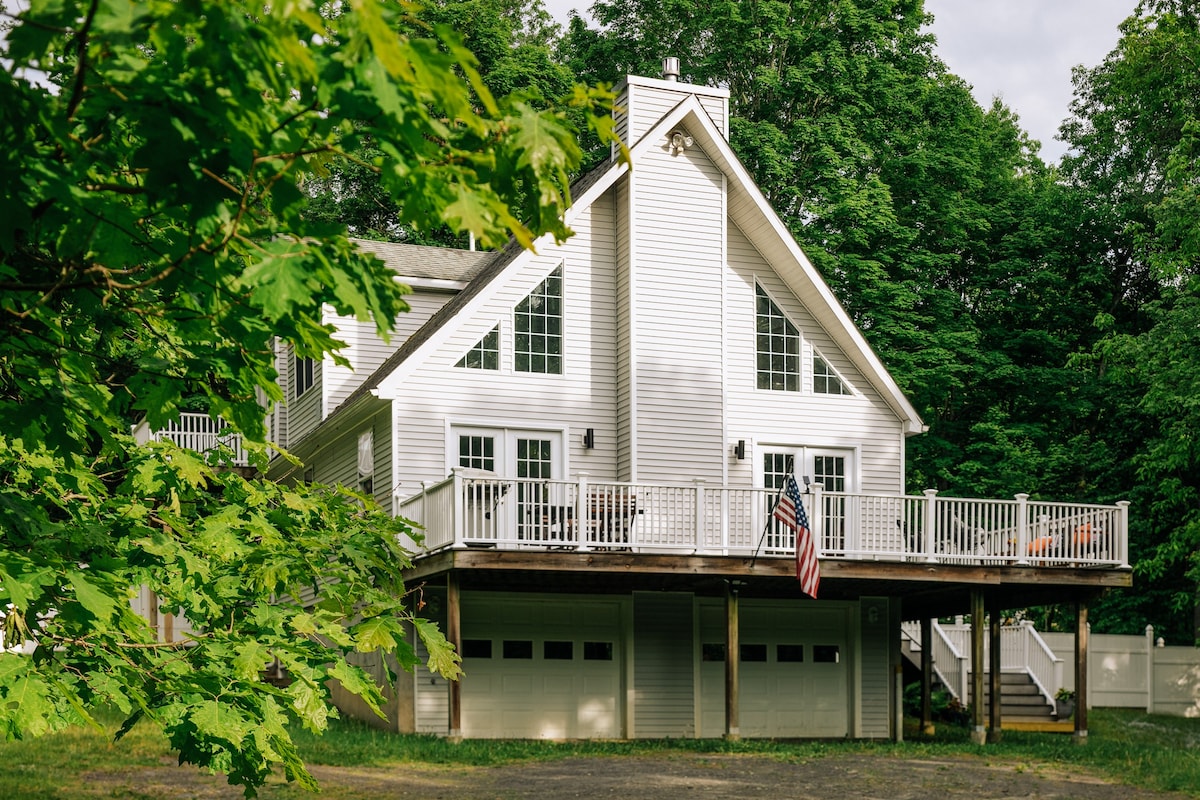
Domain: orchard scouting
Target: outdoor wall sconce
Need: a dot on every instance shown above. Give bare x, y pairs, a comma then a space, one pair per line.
739, 450
589, 438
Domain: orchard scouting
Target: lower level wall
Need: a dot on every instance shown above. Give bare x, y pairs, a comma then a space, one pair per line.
652, 665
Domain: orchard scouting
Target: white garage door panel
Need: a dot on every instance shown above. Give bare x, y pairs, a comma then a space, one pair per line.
538, 697
801, 699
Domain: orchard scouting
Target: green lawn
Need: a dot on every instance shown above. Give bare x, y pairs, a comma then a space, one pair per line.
1153, 752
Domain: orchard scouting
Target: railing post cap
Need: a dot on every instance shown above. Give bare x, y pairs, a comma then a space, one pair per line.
1123, 503
1022, 496
930, 492
1149, 630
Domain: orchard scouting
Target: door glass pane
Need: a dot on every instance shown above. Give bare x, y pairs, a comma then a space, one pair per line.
534, 463
478, 452
776, 468
830, 472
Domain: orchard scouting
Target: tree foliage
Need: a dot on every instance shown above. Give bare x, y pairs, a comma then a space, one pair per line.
1136, 157
152, 246
511, 41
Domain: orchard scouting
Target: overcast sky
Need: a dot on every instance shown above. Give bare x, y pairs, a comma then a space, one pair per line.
1019, 50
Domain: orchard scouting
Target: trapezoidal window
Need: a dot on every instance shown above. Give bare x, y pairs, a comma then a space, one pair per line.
778, 346
825, 380
485, 354
538, 327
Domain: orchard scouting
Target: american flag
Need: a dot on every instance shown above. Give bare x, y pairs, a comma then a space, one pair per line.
790, 511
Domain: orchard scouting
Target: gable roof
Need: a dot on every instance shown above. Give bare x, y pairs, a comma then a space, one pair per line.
747, 207
423, 261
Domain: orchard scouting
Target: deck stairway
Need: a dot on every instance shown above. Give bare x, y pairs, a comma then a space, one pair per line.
1020, 699
1030, 673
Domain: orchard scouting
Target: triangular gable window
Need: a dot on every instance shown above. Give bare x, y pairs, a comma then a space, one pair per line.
825, 380
485, 354
778, 346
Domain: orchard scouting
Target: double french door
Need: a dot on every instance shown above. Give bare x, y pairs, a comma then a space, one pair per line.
830, 468
523, 499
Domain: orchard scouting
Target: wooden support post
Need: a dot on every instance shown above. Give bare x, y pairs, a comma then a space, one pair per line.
994, 669
978, 733
1081, 658
454, 636
927, 677
733, 730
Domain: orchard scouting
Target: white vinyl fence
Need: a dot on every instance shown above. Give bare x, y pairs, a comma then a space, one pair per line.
1131, 671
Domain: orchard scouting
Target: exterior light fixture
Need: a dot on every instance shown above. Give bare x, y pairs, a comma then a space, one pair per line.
678, 141
589, 438
739, 449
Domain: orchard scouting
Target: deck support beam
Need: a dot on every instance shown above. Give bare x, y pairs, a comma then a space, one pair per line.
454, 636
733, 731
978, 733
994, 682
1081, 680
927, 676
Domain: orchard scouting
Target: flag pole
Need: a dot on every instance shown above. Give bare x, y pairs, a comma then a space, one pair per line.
791, 464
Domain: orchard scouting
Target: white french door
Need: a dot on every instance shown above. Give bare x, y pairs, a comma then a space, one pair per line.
533, 458
833, 469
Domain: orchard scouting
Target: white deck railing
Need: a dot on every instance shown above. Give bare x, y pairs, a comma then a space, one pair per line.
507, 513
203, 434
950, 663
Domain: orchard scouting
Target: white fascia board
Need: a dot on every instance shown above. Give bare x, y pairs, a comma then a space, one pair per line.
431, 284
391, 387
707, 136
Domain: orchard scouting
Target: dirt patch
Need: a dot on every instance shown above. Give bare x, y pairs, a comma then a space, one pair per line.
687, 776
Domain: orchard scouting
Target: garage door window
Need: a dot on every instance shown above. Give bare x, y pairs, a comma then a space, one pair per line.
597, 651
752, 652
712, 651
558, 651
827, 654
789, 653
477, 648
521, 648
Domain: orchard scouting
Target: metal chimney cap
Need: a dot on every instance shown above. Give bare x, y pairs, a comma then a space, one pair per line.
670, 68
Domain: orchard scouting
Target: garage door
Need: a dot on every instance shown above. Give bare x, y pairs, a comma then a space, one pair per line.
794, 671
545, 667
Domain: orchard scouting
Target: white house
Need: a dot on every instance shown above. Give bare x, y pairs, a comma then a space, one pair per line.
593, 434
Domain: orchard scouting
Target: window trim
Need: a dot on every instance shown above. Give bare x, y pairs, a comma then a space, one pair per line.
545, 336
306, 368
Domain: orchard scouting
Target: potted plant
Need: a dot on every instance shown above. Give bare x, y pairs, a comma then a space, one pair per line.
1064, 703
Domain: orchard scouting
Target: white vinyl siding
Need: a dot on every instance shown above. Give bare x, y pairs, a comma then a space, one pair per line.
365, 350
678, 271
436, 395
336, 462
875, 710
646, 104
277, 421
663, 652
624, 343
862, 421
